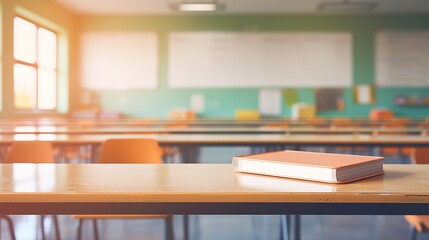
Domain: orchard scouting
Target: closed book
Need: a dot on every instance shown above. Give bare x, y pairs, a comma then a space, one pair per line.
277, 184
314, 166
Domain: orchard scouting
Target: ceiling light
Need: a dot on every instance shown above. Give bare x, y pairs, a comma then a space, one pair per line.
198, 6
347, 5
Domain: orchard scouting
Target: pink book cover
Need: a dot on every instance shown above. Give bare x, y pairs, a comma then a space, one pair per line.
315, 159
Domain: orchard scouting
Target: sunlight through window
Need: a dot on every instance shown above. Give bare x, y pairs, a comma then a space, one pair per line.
24, 40
47, 89
24, 86
47, 49
35, 69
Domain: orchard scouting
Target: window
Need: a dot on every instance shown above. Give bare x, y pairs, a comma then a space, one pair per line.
35, 68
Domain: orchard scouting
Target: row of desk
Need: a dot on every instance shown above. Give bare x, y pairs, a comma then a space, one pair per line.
172, 189
189, 145
209, 122
209, 130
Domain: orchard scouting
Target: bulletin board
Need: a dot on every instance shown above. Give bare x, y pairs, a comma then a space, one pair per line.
329, 99
255, 59
119, 60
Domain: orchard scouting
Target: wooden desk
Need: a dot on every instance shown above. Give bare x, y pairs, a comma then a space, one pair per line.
7, 130
172, 188
190, 144
201, 122
145, 130
202, 189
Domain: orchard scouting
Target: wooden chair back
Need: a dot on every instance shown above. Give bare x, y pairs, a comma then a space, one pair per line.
30, 152
419, 223
343, 122
130, 151
420, 155
399, 124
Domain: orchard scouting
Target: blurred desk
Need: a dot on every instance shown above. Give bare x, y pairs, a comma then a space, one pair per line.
189, 144
201, 122
208, 130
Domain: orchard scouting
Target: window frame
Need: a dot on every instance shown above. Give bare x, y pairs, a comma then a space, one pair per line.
37, 67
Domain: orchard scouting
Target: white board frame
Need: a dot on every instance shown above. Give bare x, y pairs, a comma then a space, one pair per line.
119, 60
251, 59
402, 58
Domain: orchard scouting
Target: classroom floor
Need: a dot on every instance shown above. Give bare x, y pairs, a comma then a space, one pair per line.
222, 227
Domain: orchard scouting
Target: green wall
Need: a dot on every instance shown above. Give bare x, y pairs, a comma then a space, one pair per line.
223, 102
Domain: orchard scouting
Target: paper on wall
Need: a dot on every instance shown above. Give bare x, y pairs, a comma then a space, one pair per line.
197, 103
270, 102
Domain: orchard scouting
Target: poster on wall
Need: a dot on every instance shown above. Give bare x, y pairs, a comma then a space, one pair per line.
364, 94
270, 102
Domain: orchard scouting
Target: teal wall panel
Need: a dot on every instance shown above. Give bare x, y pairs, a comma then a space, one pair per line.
223, 102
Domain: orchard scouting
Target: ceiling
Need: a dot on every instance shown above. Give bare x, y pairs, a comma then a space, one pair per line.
241, 6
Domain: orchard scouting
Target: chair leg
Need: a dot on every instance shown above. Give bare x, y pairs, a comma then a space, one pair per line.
169, 230
57, 227
413, 233
10, 225
79, 229
186, 227
284, 227
297, 227
94, 223
42, 226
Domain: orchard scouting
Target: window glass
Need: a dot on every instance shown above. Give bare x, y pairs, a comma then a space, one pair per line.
47, 49
25, 86
47, 86
35, 69
25, 40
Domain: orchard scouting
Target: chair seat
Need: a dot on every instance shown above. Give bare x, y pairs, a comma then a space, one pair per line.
419, 222
137, 151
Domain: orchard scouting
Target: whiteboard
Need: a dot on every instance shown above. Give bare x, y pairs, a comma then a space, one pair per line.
247, 59
402, 58
119, 60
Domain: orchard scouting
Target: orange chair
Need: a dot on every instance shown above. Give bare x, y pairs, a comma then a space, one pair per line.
33, 152
171, 153
314, 120
30, 152
128, 151
424, 123
345, 122
419, 223
400, 124
277, 125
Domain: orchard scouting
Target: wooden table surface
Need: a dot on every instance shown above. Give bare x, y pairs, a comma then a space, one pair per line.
228, 139
202, 188
195, 122
8, 130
